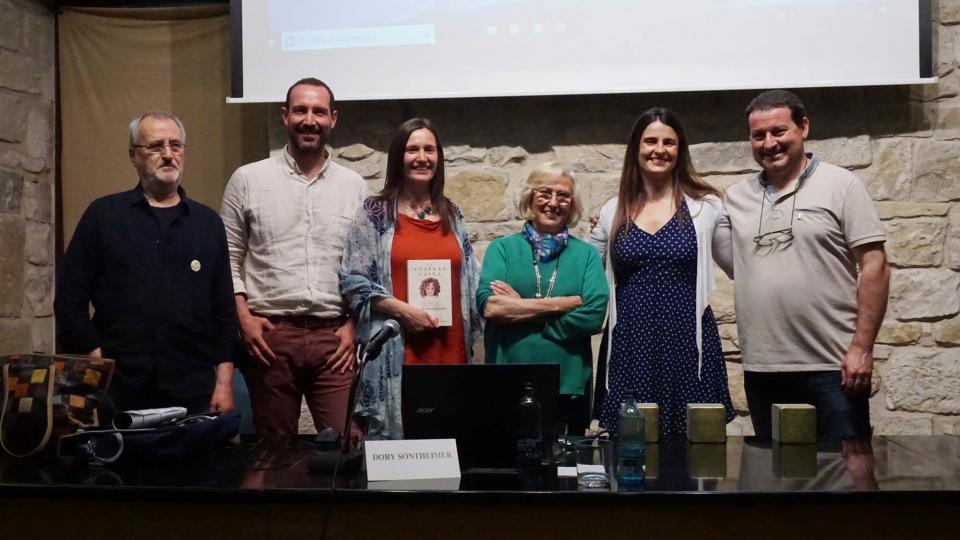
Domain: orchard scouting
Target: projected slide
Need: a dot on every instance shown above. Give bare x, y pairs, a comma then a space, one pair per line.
382, 49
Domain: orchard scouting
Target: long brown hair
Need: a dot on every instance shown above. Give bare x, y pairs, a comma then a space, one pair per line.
397, 179
686, 179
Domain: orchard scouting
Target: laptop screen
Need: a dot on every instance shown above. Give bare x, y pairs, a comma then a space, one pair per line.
477, 405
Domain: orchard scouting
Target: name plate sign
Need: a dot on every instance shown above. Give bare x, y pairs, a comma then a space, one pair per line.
411, 460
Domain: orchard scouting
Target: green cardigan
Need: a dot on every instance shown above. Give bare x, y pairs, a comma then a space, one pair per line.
563, 339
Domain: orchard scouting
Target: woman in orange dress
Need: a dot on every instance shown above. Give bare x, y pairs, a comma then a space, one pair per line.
409, 220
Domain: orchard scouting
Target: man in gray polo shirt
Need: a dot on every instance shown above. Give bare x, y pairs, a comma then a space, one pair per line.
811, 275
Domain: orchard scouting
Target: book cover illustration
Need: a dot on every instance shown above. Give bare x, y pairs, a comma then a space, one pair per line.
428, 288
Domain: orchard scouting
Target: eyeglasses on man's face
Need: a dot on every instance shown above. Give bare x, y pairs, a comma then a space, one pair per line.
156, 147
547, 194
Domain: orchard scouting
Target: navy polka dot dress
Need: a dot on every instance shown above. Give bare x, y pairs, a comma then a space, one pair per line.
654, 341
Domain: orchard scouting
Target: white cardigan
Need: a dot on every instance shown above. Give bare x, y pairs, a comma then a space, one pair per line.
707, 214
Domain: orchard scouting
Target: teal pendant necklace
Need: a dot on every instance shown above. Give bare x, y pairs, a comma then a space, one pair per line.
422, 211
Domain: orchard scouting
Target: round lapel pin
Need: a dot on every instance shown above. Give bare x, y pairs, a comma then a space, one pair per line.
195, 265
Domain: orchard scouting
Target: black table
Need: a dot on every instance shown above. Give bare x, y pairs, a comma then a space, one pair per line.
887, 487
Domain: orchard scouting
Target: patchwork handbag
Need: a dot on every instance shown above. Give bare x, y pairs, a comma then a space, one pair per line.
47, 397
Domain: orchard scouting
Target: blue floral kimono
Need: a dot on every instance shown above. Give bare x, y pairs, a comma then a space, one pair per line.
365, 277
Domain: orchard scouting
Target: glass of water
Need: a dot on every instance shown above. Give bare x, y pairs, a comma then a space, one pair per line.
594, 462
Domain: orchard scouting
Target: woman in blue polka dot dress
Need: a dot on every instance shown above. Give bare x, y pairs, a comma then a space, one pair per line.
656, 239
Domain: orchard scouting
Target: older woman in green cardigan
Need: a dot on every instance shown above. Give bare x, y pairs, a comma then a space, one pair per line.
543, 291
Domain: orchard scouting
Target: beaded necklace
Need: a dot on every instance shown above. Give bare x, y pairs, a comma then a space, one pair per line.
536, 272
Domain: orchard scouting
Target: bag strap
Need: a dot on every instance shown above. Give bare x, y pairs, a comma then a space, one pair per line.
51, 372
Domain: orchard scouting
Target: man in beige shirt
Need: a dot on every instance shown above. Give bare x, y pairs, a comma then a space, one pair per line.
807, 319
286, 219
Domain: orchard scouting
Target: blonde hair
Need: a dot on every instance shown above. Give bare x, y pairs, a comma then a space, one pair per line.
544, 174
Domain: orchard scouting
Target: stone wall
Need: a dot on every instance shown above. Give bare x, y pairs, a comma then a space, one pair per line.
904, 142
26, 176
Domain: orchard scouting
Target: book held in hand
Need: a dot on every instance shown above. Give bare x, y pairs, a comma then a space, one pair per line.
428, 288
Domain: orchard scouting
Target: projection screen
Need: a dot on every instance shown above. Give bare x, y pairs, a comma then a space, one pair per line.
393, 49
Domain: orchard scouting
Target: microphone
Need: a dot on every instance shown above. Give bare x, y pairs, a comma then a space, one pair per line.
332, 459
390, 329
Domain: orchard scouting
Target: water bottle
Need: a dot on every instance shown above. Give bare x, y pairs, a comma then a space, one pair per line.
631, 445
529, 426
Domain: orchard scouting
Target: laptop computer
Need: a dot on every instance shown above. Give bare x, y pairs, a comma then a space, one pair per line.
477, 405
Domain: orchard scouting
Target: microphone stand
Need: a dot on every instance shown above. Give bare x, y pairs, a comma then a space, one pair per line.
343, 456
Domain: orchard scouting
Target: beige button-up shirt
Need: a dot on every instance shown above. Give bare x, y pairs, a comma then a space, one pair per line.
286, 234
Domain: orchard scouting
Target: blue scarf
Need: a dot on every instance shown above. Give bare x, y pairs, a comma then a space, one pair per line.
547, 246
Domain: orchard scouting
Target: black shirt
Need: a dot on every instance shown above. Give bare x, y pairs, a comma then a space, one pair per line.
163, 296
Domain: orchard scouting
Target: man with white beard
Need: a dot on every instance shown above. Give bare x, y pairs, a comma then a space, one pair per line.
286, 218
154, 265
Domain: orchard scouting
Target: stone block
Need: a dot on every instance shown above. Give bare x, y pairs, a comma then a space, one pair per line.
463, 154
43, 335
15, 336
38, 140
735, 383
916, 242
38, 201
729, 332
902, 424
356, 152
947, 332
11, 159
920, 379
494, 230
305, 424
953, 239
601, 188
935, 171
39, 243
723, 158
898, 333
923, 293
851, 153
876, 380
35, 165
482, 195
11, 192
890, 174
602, 158
21, 73
949, 12
723, 182
741, 425
480, 249
39, 290
38, 37
501, 155
890, 210
369, 169
721, 299
947, 121
375, 185
12, 235
12, 116
11, 25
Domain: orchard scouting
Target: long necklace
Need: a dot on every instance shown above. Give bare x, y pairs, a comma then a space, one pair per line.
536, 272
421, 210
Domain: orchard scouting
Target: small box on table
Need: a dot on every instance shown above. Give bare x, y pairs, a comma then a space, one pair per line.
793, 423
706, 423
651, 422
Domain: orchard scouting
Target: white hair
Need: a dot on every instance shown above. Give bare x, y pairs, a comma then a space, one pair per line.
135, 125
